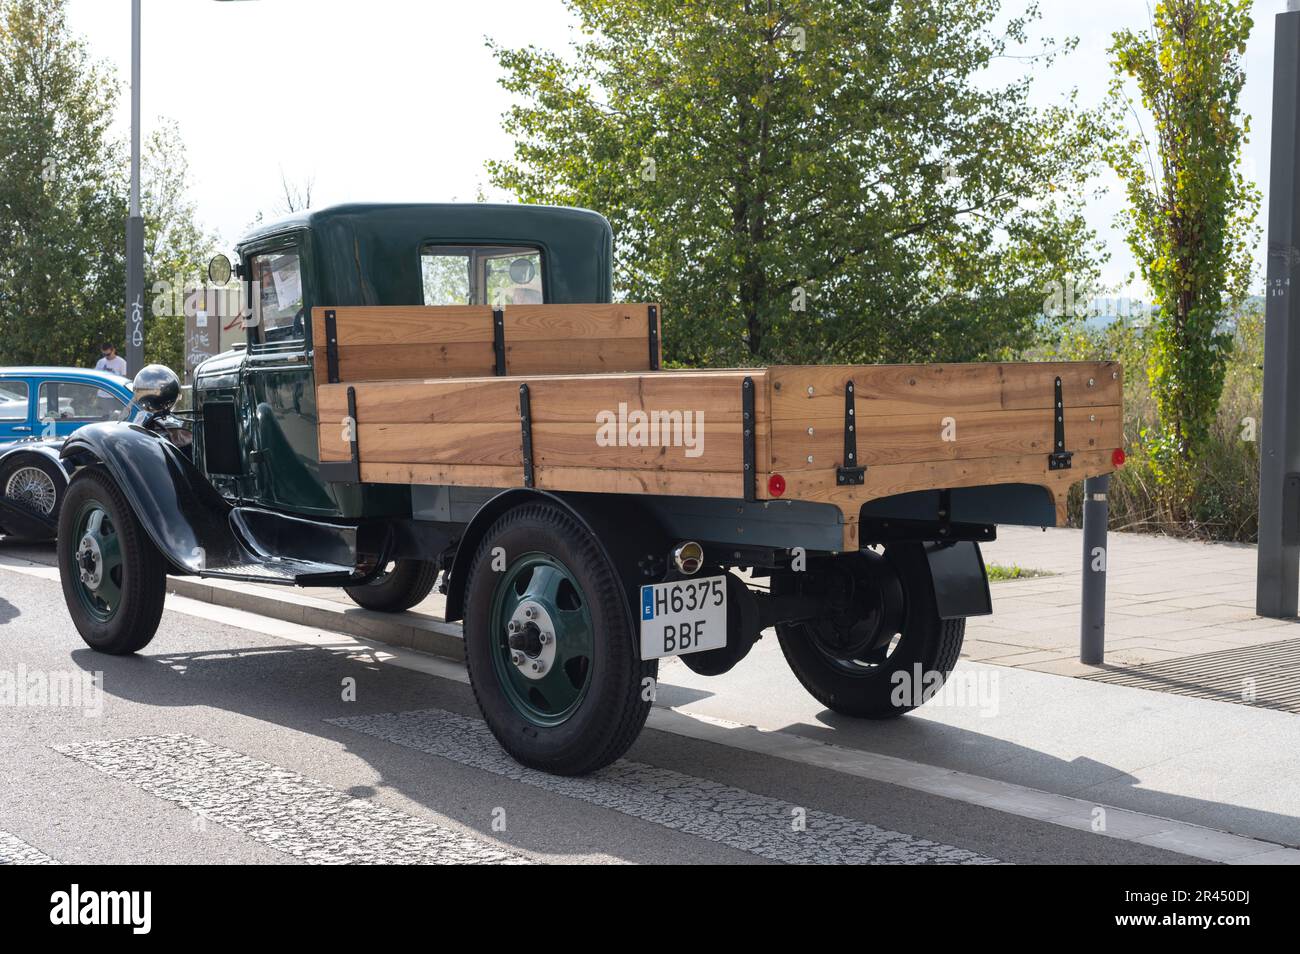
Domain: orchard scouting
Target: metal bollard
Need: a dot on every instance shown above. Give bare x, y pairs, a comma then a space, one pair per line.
1092, 623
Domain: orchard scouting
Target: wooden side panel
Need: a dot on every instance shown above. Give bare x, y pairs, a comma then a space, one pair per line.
386, 343
679, 433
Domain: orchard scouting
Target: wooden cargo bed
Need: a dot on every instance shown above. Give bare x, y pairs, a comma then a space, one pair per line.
576, 385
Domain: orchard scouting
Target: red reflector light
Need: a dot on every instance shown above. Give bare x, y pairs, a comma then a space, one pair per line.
1117, 458
776, 485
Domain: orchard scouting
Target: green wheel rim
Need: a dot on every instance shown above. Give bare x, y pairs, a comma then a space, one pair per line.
542, 639
96, 569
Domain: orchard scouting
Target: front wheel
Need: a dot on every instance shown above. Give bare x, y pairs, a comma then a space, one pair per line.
882, 649
34, 483
114, 579
549, 645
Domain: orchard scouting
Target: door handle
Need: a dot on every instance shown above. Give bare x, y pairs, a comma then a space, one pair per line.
22, 430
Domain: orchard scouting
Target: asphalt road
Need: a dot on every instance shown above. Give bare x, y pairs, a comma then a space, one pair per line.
221, 744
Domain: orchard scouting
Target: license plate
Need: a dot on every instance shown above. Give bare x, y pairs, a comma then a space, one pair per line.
684, 616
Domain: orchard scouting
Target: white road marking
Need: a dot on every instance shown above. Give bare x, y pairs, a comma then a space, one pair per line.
282, 809
758, 824
1185, 838
15, 851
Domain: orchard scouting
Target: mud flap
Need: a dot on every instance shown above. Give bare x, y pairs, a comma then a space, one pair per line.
961, 586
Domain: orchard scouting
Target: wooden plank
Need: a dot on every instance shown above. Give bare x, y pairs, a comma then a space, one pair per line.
388, 362
1083, 383
588, 479
554, 399
577, 323
889, 390
568, 445
574, 356
969, 436
404, 325
889, 479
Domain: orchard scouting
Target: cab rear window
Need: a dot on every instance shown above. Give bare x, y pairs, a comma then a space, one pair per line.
496, 275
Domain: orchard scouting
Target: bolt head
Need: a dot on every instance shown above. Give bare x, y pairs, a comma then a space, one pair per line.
513, 626
517, 658
530, 612
544, 638
538, 667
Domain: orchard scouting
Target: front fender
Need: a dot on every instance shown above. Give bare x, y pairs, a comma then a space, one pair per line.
42, 449
180, 511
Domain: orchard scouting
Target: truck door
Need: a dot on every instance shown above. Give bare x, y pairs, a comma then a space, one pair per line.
281, 403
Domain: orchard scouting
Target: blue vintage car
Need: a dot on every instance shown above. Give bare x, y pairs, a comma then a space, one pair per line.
39, 407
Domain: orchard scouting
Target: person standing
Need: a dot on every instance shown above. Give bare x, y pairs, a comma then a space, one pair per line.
110, 360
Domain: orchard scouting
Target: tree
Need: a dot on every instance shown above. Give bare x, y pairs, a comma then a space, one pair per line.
62, 267
828, 180
1191, 215
176, 246
63, 201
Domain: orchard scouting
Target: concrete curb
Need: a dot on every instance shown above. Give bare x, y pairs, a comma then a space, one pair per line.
407, 630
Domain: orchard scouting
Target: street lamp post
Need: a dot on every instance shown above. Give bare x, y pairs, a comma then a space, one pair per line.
134, 342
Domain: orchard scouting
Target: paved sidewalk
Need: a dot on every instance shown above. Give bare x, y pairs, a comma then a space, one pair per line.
1165, 599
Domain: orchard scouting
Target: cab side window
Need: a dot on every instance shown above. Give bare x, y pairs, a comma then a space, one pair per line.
496, 275
277, 290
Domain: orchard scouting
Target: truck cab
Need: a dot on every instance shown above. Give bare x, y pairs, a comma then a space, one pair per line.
256, 422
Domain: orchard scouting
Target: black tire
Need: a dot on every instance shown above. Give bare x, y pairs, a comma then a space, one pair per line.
874, 692
143, 572
17, 462
405, 585
610, 715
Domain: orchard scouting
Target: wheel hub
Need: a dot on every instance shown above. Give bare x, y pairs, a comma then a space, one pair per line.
90, 561
530, 634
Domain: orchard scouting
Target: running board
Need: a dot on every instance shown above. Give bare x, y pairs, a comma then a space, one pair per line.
285, 550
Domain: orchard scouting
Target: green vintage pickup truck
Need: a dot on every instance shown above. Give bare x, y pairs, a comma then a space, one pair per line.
449, 393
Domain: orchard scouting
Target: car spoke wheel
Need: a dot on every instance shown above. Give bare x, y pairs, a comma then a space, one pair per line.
33, 488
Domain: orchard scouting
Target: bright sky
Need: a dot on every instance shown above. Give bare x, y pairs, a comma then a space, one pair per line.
398, 99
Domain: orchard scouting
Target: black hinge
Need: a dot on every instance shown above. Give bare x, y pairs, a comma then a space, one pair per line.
849, 472
346, 472
499, 340
1059, 458
526, 426
331, 347
654, 337
747, 438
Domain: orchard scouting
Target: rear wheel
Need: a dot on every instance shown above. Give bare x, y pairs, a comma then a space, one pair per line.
549, 644
882, 648
114, 579
403, 584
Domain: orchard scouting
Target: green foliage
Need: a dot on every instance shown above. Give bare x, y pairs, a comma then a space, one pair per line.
1220, 500
845, 157
1191, 216
63, 201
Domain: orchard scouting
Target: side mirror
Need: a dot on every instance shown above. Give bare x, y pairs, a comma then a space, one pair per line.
219, 270
522, 271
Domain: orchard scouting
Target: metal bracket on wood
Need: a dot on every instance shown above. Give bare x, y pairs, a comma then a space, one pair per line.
849, 473
499, 340
1059, 458
526, 426
346, 472
749, 476
331, 347
653, 315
